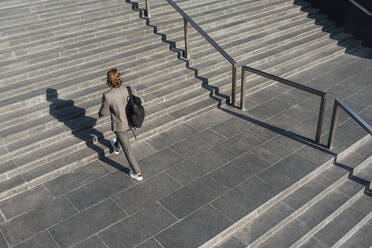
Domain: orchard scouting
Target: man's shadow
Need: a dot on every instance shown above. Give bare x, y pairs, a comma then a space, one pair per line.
81, 126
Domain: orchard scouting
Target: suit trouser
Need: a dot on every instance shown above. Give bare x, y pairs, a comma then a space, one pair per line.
123, 139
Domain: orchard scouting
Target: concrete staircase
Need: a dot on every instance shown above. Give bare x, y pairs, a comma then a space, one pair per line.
324, 209
54, 56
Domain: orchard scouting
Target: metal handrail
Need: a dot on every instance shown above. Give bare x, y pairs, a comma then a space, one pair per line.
186, 21
340, 104
322, 94
362, 8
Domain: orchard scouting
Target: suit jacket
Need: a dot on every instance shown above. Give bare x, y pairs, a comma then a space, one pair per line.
114, 101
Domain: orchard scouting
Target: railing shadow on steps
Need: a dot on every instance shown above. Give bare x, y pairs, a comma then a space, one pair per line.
214, 91
87, 133
365, 183
146, 14
351, 46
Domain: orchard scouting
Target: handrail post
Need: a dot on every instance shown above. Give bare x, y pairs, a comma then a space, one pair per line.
233, 85
333, 125
242, 91
148, 11
186, 34
321, 117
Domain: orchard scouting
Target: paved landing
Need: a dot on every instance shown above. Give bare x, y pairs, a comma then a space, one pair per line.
200, 177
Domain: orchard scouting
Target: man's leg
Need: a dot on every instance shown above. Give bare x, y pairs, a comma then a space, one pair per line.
123, 139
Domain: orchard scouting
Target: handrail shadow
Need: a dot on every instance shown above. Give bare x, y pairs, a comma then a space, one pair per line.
354, 178
350, 47
81, 126
214, 91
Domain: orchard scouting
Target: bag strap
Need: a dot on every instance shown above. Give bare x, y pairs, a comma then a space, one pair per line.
130, 94
131, 99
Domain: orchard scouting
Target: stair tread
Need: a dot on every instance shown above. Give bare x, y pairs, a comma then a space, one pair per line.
324, 196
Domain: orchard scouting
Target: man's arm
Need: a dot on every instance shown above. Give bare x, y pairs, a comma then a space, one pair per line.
104, 110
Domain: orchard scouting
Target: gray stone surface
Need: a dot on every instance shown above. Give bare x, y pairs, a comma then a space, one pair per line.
86, 223
146, 192
269, 109
99, 190
277, 148
314, 243
30, 223
288, 236
193, 196
307, 192
182, 131
360, 239
363, 204
158, 162
323, 208
211, 119
240, 169
196, 143
287, 171
235, 146
25, 201
138, 227
152, 243
232, 127
351, 188
162, 140
41, 240
196, 229
244, 198
193, 168
3, 242
76, 179
339, 226
315, 155
262, 224
232, 243
93, 242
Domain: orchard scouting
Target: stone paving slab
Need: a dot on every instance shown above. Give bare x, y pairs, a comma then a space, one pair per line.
138, 227
195, 229
93, 242
41, 240
93, 219
23, 202
30, 223
195, 167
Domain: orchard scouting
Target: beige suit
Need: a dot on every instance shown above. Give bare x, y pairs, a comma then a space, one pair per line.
114, 102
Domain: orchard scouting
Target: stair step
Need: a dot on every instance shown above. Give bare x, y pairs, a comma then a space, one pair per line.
72, 153
38, 95
343, 223
61, 13
176, 30
132, 79
67, 45
296, 217
55, 24
278, 66
359, 235
56, 131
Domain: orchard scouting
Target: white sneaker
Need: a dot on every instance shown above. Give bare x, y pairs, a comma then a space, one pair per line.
135, 176
114, 148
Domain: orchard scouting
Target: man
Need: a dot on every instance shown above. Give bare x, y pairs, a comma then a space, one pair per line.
114, 101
